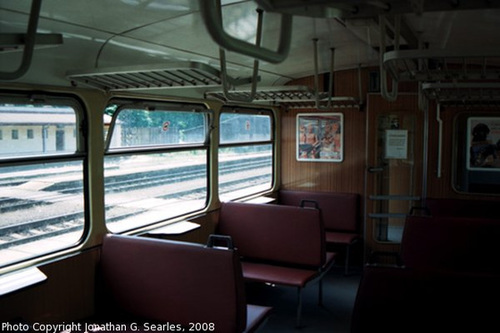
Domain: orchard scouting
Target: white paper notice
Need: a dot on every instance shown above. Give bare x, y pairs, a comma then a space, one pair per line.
396, 144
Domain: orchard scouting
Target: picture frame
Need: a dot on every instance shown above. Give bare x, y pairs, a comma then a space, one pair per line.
319, 137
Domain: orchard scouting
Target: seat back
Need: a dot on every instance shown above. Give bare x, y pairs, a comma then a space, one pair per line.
339, 211
465, 244
444, 207
394, 300
283, 234
175, 282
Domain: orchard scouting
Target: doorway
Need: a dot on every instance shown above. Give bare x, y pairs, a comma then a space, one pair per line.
394, 171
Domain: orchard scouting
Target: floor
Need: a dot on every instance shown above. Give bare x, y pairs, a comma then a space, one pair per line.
339, 292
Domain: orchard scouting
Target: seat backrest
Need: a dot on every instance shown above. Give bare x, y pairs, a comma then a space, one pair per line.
290, 235
339, 211
445, 207
174, 282
465, 244
394, 300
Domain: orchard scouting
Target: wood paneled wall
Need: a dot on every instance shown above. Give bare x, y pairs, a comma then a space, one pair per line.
349, 175
345, 176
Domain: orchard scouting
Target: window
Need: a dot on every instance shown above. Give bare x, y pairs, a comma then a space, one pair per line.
245, 153
156, 163
477, 152
30, 134
41, 189
15, 134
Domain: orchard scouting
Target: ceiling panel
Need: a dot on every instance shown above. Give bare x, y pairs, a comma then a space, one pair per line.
106, 33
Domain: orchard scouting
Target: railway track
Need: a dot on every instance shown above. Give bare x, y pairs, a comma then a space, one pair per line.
31, 231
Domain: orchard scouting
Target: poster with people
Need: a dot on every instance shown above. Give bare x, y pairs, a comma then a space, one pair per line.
483, 135
320, 137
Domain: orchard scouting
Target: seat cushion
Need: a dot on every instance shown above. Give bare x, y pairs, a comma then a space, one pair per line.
288, 276
345, 238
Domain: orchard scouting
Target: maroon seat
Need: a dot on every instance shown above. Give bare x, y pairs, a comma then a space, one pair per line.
180, 283
395, 300
446, 207
339, 212
454, 243
278, 244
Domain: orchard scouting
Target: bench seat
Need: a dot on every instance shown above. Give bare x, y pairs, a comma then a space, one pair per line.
339, 213
278, 244
161, 281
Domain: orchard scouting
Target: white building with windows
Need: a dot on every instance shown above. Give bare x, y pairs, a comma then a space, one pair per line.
34, 131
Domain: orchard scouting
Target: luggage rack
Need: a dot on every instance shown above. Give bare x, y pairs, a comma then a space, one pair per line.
458, 76
289, 96
443, 65
463, 93
174, 75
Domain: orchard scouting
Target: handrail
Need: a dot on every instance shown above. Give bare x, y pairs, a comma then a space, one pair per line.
29, 44
223, 68
213, 22
393, 95
440, 140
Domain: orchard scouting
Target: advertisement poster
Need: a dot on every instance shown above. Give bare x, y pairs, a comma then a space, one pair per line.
483, 136
320, 137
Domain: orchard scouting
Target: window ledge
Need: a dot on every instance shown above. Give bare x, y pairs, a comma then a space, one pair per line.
261, 200
11, 282
177, 228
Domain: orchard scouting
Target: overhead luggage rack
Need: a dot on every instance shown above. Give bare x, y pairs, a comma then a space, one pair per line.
174, 75
290, 96
463, 93
443, 65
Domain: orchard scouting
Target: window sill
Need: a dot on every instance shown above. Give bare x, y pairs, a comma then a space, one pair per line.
17, 280
177, 228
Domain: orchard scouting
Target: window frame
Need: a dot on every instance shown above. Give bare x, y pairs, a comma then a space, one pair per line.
271, 141
151, 105
461, 173
80, 155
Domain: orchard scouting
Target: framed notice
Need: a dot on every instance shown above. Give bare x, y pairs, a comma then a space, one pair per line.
396, 144
320, 137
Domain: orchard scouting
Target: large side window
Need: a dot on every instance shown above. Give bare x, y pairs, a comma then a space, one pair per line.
41, 177
156, 163
245, 152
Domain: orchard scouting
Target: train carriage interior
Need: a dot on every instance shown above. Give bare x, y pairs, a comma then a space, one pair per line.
249, 165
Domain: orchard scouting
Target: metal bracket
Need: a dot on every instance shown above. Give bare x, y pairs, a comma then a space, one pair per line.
29, 44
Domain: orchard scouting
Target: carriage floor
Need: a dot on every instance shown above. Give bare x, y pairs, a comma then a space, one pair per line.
339, 293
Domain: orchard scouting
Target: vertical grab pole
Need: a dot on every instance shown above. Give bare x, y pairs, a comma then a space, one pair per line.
29, 44
316, 76
440, 139
360, 86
